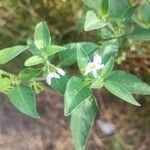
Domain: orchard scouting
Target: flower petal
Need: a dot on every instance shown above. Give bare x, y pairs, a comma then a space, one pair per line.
88, 68
50, 76
55, 75
99, 66
97, 59
87, 71
61, 72
48, 80
94, 73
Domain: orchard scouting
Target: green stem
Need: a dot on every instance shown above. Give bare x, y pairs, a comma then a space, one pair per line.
39, 79
6, 73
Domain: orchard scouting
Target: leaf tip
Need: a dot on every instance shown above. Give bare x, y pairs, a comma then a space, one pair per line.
138, 104
36, 116
66, 113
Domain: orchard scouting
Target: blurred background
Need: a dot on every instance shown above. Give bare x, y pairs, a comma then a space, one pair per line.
119, 126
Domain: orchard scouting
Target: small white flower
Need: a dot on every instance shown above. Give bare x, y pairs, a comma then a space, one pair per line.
97, 59
60, 71
94, 66
50, 76
57, 75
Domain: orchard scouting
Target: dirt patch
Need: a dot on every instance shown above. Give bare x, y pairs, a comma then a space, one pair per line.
19, 132
51, 131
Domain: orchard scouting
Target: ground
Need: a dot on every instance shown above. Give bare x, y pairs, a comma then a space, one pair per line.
52, 132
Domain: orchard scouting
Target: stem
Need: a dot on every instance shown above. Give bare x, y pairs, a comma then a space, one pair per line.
39, 79
6, 73
48, 64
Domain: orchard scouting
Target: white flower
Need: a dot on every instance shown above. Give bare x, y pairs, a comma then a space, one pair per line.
57, 75
50, 76
94, 66
60, 71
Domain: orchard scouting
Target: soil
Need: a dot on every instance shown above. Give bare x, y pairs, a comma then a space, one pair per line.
52, 131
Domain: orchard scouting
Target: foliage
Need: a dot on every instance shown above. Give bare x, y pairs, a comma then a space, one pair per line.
95, 63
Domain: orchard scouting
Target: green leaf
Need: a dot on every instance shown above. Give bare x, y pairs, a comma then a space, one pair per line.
59, 85
128, 13
8, 54
92, 22
104, 8
98, 83
108, 49
132, 83
86, 50
76, 92
33, 60
42, 37
23, 99
5, 85
29, 74
108, 68
117, 8
144, 12
120, 91
32, 48
140, 35
83, 58
85, 54
140, 22
82, 119
53, 49
106, 33
93, 4
69, 56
